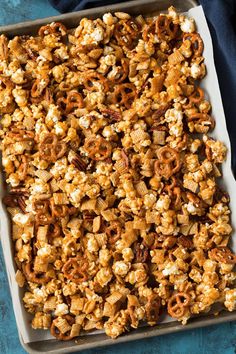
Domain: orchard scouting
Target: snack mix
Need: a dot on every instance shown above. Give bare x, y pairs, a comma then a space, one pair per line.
117, 217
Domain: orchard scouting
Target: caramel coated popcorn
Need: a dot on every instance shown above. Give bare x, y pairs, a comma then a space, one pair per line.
116, 210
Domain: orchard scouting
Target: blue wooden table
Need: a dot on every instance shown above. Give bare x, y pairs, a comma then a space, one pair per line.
211, 340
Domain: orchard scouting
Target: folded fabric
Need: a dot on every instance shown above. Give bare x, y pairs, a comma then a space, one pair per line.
221, 17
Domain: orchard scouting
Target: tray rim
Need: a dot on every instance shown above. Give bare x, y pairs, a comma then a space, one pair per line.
162, 329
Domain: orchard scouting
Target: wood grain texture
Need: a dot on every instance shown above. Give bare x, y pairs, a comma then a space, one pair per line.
219, 339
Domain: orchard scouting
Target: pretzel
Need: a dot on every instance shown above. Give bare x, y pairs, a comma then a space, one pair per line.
168, 162
43, 215
38, 87
98, 148
35, 277
178, 305
149, 31
126, 32
174, 192
165, 28
197, 96
5, 83
124, 94
75, 269
58, 211
202, 122
55, 332
54, 230
55, 28
50, 149
113, 232
122, 71
93, 77
152, 309
223, 255
196, 43
72, 101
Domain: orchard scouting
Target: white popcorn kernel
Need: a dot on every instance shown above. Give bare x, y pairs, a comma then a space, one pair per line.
188, 25
84, 122
195, 71
191, 208
108, 19
230, 299
121, 268
97, 35
61, 309
171, 268
53, 115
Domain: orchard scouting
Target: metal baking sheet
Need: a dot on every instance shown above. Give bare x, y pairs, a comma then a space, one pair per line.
145, 7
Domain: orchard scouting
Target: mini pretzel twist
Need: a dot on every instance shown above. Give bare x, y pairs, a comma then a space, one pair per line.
98, 148
54, 230
73, 100
43, 215
165, 28
38, 87
126, 32
50, 149
197, 96
55, 332
122, 71
92, 80
75, 269
223, 255
178, 305
168, 162
149, 31
197, 45
35, 277
124, 94
174, 192
152, 309
113, 232
58, 211
202, 122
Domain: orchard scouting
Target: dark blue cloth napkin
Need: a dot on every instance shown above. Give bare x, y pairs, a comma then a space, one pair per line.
221, 17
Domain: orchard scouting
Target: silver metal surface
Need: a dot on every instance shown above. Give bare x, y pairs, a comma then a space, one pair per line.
145, 7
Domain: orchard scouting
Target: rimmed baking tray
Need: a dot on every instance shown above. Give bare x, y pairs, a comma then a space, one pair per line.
145, 7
